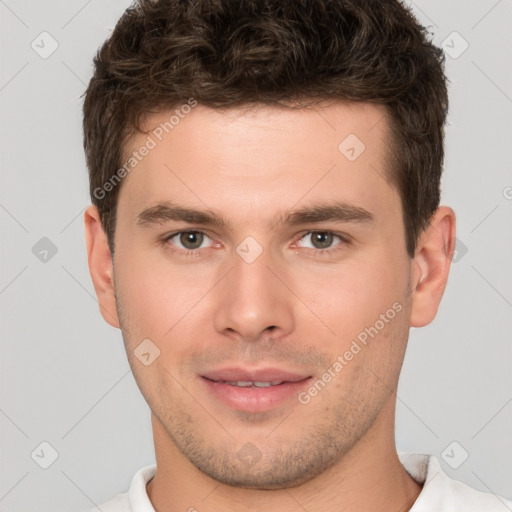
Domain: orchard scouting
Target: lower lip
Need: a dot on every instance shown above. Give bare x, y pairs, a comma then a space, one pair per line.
255, 399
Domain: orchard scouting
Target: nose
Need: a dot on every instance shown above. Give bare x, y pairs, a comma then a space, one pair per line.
253, 300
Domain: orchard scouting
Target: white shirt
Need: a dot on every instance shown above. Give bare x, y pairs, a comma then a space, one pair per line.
440, 493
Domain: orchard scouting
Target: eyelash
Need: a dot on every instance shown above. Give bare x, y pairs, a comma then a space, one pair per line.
183, 252
344, 240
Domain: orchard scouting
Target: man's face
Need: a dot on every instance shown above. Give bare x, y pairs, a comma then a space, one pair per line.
265, 296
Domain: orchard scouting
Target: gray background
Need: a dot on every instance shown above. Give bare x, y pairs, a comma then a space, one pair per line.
64, 375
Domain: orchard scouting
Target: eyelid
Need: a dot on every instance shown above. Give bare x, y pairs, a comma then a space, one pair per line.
166, 240
343, 236
344, 240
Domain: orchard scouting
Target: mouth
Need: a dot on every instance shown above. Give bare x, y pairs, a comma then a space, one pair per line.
250, 384
258, 390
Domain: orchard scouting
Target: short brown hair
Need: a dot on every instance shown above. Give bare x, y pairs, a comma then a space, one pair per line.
228, 53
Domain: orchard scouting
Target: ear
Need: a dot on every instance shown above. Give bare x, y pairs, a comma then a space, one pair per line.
100, 265
431, 265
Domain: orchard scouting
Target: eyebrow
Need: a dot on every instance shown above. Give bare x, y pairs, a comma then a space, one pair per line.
333, 211
341, 212
166, 211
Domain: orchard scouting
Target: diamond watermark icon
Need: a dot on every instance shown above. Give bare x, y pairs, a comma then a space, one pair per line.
146, 352
44, 45
44, 250
454, 455
249, 249
249, 454
351, 147
461, 250
454, 45
44, 455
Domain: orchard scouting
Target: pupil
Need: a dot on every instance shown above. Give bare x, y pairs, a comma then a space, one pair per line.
321, 240
191, 239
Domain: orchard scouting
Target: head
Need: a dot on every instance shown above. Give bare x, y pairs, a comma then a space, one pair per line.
265, 180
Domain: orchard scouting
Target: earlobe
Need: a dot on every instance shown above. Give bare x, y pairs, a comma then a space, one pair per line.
100, 265
431, 266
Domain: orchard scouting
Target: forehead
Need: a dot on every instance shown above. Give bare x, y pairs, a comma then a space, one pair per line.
265, 156
319, 127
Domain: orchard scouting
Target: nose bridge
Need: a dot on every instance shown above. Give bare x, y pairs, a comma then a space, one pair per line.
251, 298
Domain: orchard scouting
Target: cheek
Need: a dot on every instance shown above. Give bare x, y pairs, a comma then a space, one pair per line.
351, 297
158, 301
367, 364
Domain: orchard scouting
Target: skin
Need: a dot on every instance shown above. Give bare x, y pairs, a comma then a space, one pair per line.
292, 307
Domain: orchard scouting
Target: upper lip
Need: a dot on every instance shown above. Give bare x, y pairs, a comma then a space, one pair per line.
235, 374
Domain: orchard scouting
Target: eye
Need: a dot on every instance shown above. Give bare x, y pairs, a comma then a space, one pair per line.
321, 240
188, 240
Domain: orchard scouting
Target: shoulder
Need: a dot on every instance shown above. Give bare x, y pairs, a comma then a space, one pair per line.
119, 503
136, 499
441, 493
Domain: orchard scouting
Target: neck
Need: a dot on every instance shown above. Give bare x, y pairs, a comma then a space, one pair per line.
368, 477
